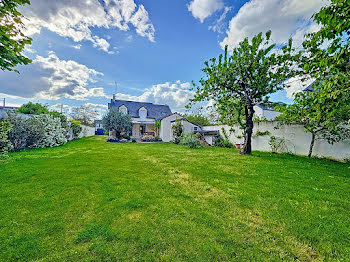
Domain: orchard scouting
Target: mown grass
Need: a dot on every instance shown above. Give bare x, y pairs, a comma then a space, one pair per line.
96, 201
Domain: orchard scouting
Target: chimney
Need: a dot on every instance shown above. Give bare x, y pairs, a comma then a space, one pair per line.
114, 97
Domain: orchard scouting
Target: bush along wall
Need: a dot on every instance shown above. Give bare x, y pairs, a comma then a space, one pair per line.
38, 131
5, 143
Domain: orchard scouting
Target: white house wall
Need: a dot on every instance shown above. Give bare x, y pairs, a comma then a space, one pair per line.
188, 126
296, 140
268, 114
165, 129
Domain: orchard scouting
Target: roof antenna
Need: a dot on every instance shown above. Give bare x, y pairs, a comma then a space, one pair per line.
116, 90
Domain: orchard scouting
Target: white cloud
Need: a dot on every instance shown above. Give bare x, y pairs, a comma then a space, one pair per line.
51, 78
286, 18
202, 9
74, 19
219, 24
176, 95
77, 46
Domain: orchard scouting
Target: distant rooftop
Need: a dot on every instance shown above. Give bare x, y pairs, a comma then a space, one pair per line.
270, 105
9, 107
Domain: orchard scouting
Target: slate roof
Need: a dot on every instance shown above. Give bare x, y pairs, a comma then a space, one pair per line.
153, 111
308, 89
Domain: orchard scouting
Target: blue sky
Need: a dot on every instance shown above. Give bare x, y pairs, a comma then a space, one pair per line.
153, 49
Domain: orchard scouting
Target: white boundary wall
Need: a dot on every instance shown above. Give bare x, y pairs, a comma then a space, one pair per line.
86, 131
296, 140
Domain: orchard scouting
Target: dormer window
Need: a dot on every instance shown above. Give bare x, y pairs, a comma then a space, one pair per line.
123, 109
143, 113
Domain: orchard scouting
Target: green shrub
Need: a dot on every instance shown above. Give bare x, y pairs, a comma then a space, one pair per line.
45, 131
191, 140
260, 133
76, 128
277, 144
5, 143
133, 140
177, 130
19, 134
125, 136
223, 142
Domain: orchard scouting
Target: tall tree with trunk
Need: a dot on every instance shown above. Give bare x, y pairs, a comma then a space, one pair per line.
327, 52
325, 112
117, 122
324, 117
246, 78
12, 39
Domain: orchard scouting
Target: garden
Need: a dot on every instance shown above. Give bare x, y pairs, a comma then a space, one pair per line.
88, 200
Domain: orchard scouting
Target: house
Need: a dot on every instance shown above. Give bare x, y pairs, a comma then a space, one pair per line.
143, 115
5, 109
168, 121
266, 110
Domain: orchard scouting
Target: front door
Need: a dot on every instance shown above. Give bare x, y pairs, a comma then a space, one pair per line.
142, 130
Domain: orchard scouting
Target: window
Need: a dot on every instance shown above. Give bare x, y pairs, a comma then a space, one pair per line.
195, 128
123, 110
143, 113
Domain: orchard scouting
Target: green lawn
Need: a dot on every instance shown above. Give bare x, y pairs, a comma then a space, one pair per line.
91, 201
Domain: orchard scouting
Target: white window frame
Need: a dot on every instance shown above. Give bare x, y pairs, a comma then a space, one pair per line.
143, 113
123, 109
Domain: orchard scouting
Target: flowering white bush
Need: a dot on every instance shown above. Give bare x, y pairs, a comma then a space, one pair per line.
45, 131
19, 132
5, 144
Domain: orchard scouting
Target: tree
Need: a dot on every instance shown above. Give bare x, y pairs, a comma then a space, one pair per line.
33, 109
315, 117
327, 52
246, 78
76, 128
12, 39
177, 129
198, 119
157, 126
85, 113
117, 122
325, 112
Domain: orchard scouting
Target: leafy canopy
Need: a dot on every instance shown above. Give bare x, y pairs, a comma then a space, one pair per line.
12, 39
86, 114
33, 109
117, 121
325, 112
198, 119
327, 53
322, 116
237, 82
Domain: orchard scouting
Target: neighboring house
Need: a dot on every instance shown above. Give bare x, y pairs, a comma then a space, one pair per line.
99, 128
308, 89
266, 110
5, 109
167, 122
143, 115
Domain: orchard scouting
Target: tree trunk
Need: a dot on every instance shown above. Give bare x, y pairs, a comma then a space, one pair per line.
311, 144
248, 131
